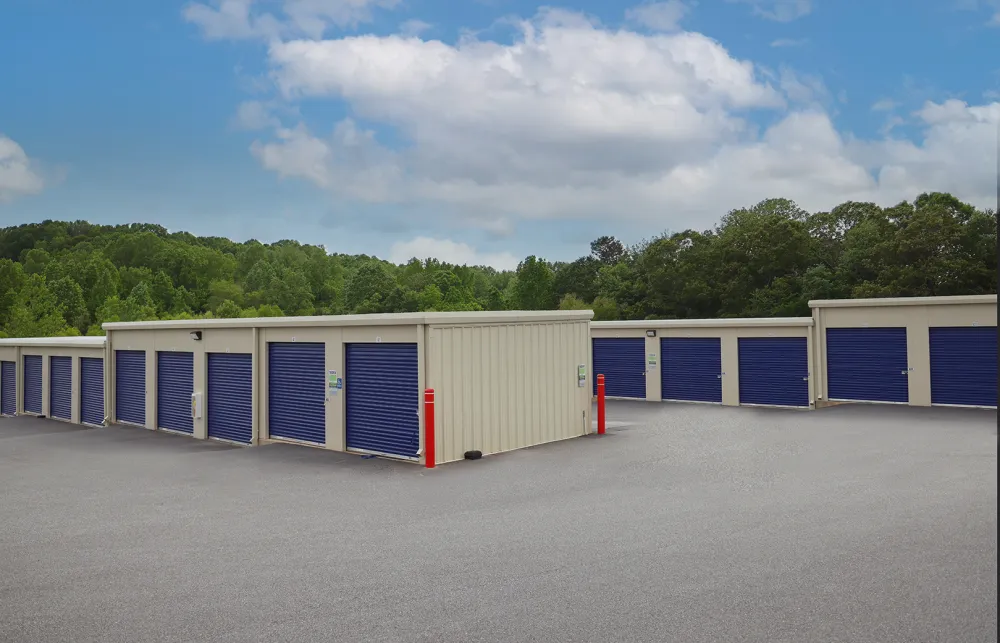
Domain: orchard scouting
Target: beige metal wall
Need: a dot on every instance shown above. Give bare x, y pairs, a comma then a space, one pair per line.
16, 354
917, 315
505, 387
727, 330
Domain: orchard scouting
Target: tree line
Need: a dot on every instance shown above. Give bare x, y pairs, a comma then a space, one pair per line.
769, 260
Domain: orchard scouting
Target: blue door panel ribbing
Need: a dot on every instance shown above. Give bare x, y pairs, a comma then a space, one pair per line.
964, 365
230, 397
130, 387
691, 369
33, 384
296, 391
61, 387
383, 398
774, 371
622, 362
174, 386
92, 390
8, 388
867, 364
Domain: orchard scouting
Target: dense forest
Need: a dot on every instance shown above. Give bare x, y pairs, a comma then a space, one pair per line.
67, 278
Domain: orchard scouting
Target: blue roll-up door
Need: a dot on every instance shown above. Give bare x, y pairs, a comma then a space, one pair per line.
774, 371
174, 386
61, 387
622, 362
130, 387
296, 391
383, 399
230, 397
867, 365
8, 388
692, 369
33, 384
92, 390
964, 366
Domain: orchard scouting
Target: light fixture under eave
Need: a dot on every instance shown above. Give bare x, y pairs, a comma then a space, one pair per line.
196, 335
650, 333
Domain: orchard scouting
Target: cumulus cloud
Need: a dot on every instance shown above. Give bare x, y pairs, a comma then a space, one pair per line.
780, 10
448, 251
272, 19
659, 16
573, 120
19, 175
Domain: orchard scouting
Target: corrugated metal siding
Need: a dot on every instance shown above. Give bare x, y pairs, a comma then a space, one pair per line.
964, 365
867, 364
230, 397
382, 393
33, 384
130, 387
622, 362
61, 387
8, 388
692, 369
296, 395
774, 371
500, 388
174, 387
92, 390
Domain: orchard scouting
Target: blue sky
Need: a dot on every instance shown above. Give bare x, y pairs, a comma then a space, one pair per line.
486, 131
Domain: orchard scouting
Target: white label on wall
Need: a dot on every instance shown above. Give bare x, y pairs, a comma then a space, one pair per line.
864, 325
293, 339
227, 350
975, 323
378, 340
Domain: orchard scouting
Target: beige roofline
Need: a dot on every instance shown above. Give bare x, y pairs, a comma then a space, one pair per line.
56, 342
391, 319
903, 301
729, 322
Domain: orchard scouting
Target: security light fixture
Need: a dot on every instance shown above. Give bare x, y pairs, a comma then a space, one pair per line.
650, 333
196, 335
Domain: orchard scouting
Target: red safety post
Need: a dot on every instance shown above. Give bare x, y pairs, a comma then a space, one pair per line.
429, 428
600, 405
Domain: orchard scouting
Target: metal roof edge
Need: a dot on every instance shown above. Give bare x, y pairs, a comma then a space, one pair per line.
56, 342
729, 322
903, 301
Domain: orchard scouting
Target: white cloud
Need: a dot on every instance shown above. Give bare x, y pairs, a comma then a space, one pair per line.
780, 10
19, 175
254, 115
414, 27
243, 19
658, 16
884, 105
449, 251
574, 121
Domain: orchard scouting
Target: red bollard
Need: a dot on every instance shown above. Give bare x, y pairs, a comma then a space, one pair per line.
429, 428
600, 405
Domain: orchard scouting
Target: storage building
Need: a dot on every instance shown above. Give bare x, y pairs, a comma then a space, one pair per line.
57, 377
921, 351
502, 380
734, 362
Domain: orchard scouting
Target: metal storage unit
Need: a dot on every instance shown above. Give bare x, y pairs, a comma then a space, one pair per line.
230, 397
174, 388
867, 365
32, 378
296, 395
774, 371
61, 387
692, 369
963, 361
92, 391
130, 387
382, 393
8, 388
622, 362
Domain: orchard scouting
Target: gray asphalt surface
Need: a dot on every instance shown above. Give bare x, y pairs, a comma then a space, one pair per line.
684, 523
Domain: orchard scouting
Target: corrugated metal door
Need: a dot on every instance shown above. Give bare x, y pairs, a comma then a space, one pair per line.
383, 399
61, 387
174, 386
296, 391
130, 387
867, 365
964, 366
230, 397
8, 388
622, 362
33, 384
92, 390
774, 371
692, 369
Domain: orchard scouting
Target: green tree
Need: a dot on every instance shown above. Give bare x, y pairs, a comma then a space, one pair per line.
69, 298
36, 312
534, 289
